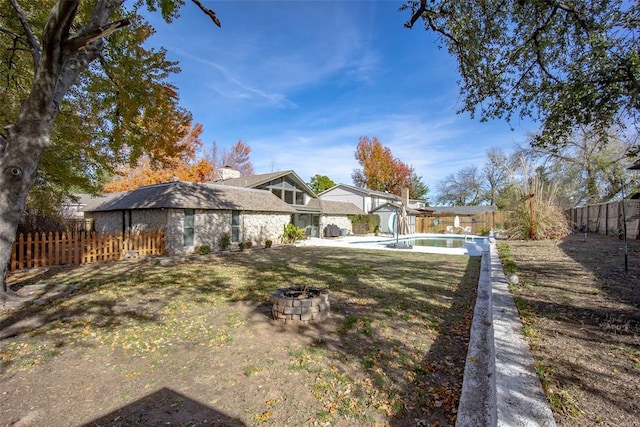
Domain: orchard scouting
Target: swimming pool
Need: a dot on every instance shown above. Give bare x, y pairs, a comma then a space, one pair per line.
440, 243
449, 244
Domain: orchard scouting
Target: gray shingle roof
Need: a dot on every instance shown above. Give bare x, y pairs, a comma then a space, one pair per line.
186, 195
254, 181
330, 207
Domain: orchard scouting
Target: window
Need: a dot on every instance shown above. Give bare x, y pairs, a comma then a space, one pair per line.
187, 229
288, 196
235, 226
299, 198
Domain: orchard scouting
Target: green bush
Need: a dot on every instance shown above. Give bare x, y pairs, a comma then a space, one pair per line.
245, 245
268, 243
292, 234
364, 224
225, 241
204, 249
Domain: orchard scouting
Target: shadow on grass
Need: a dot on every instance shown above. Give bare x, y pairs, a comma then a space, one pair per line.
394, 349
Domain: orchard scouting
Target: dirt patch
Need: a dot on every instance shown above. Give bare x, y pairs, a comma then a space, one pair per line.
194, 343
582, 319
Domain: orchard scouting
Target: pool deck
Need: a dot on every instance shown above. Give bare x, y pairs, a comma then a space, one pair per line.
368, 242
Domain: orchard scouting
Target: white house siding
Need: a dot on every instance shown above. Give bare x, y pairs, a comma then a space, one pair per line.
258, 227
342, 221
341, 195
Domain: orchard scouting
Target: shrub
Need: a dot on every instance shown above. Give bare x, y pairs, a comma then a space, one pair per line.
292, 234
225, 241
535, 196
204, 249
248, 244
268, 243
363, 224
242, 246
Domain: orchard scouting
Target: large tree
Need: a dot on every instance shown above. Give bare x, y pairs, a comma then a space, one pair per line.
566, 63
463, 188
589, 168
190, 166
236, 157
320, 183
82, 60
496, 174
380, 170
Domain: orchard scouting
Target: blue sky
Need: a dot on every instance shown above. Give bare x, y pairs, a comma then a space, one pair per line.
301, 81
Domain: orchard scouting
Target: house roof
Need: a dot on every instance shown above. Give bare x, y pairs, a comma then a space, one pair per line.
461, 210
254, 181
187, 195
362, 191
396, 206
330, 207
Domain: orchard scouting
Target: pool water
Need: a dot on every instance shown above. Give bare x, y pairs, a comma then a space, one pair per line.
435, 242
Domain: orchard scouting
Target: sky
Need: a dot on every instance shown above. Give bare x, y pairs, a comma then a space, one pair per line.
301, 81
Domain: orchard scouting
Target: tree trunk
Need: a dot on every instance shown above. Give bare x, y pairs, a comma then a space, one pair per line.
18, 167
58, 62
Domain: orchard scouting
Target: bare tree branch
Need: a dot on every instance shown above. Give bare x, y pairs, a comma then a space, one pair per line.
210, 13
36, 50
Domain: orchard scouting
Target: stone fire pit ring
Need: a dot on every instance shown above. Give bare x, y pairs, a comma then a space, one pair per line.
300, 305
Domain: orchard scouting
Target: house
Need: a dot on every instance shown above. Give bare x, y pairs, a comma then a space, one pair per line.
192, 214
311, 213
364, 198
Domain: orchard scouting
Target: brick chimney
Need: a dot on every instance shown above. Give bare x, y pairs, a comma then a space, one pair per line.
404, 194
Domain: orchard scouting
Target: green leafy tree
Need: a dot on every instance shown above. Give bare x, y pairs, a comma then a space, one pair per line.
418, 190
320, 183
80, 94
565, 63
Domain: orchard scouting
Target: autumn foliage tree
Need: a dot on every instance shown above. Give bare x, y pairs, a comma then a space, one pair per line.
80, 94
380, 170
186, 166
237, 157
193, 164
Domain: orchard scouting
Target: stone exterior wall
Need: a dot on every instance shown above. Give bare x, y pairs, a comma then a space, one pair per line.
209, 226
149, 219
342, 221
259, 227
141, 219
105, 221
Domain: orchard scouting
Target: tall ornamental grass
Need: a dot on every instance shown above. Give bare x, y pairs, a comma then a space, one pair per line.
535, 211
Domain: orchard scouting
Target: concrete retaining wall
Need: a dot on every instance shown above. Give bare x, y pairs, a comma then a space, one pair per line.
500, 386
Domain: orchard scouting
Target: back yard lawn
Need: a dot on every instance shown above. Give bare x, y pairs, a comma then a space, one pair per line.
192, 344
581, 313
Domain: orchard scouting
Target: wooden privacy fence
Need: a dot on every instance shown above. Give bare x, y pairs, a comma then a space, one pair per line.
50, 249
481, 222
607, 218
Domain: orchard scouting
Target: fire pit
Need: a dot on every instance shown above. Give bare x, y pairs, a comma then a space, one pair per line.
300, 305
